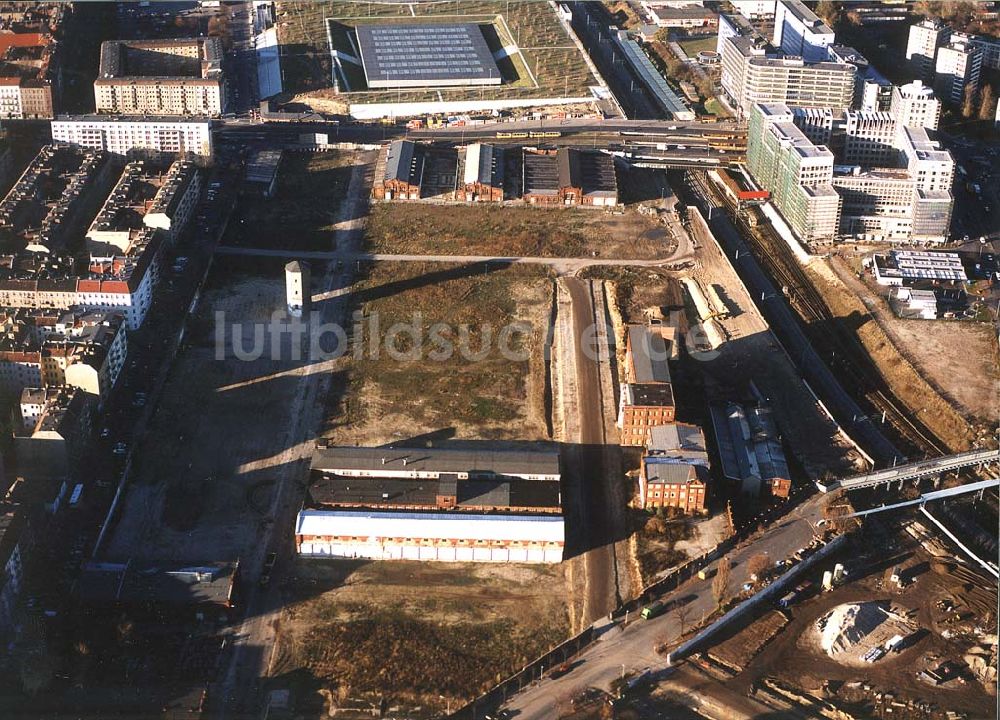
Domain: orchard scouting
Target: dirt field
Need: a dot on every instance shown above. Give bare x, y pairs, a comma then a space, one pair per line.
303, 210
411, 228
740, 649
414, 632
494, 397
199, 483
906, 382
958, 358
796, 659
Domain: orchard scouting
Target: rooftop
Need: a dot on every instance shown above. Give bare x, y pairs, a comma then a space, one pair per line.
648, 395
440, 526
748, 442
197, 58
806, 16
436, 460
678, 441
648, 356
426, 55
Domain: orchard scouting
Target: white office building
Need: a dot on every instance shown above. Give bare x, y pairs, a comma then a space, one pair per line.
130, 136
914, 105
958, 66
798, 31
922, 46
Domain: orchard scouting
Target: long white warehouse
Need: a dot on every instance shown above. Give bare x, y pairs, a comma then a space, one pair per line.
443, 536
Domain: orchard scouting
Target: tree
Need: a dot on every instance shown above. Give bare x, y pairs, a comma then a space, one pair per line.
682, 613
759, 565
969, 101
829, 11
720, 583
987, 103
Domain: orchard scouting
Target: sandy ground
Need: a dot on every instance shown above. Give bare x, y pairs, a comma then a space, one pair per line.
959, 358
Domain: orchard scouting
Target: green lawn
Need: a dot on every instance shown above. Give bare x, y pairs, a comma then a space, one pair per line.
693, 46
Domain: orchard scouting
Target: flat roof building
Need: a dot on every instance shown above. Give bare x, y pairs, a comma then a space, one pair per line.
904, 267
799, 31
412, 55
161, 77
137, 136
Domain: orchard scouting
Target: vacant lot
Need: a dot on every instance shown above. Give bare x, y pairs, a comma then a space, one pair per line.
958, 358
401, 385
903, 379
303, 210
548, 64
421, 635
409, 228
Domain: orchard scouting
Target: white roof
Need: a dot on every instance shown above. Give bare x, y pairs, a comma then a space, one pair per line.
443, 526
472, 153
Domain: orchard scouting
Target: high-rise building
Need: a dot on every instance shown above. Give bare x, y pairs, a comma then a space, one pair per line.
793, 81
868, 139
922, 46
798, 31
958, 67
797, 173
872, 91
131, 135
914, 105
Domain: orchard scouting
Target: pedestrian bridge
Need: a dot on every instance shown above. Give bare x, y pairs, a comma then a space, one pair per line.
914, 470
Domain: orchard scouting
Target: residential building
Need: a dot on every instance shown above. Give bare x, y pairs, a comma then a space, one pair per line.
958, 66
156, 138
988, 47
797, 173
798, 31
692, 16
399, 171
922, 46
914, 105
55, 447
28, 75
54, 348
143, 213
482, 174
750, 448
904, 267
755, 9
13, 525
161, 77
647, 397
674, 469
568, 176
437, 504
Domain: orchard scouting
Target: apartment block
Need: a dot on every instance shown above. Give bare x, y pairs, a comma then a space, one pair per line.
161, 77
958, 66
28, 75
797, 173
914, 105
922, 46
798, 31
146, 137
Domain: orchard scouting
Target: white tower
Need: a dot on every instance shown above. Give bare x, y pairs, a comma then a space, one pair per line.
297, 288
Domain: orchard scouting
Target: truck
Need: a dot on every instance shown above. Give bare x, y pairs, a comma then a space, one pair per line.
651, 611
893, 643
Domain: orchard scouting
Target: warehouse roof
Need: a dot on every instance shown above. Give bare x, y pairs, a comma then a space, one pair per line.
673, 473
678, 441
438, 526
340, 490
437, 460
442, 54
484, 165
648, 353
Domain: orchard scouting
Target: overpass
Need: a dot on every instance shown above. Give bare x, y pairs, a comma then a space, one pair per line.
915, 470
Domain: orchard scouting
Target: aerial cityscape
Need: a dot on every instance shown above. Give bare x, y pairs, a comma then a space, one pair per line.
491, 359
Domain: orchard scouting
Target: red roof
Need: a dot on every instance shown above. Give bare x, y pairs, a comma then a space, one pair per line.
9, 40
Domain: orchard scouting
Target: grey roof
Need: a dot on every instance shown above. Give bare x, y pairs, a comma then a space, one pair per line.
404, 162
673, 473
425, 54
649, 353
506, 492
678, 441
748, 442
651, 77
437, 460
104, 583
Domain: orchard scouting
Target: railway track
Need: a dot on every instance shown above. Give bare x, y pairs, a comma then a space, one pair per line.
843, 351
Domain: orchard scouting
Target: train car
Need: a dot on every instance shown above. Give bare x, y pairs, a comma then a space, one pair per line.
544, 134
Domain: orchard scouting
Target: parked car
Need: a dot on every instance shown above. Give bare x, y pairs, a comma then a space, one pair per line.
120, 448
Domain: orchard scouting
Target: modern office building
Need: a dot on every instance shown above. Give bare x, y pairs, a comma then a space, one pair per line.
161, 77
872, 91
750, 76
797, 173
868, 139
932, 167
914, 105
922, 46
138, 137
885, 205
958, 66
798, 31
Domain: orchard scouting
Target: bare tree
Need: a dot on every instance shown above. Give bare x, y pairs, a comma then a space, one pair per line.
987, 103
720, 583
969, 101
758, 565
829, 11
682, 613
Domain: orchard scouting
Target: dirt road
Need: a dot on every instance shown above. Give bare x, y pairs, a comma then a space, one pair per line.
593, 462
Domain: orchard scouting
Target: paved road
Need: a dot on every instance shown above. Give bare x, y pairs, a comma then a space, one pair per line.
631, 648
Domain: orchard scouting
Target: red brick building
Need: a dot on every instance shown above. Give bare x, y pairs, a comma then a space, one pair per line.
647, 397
